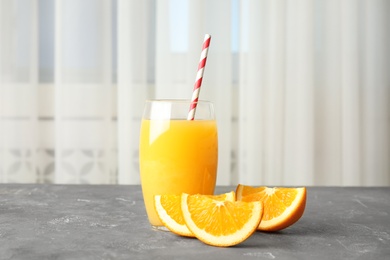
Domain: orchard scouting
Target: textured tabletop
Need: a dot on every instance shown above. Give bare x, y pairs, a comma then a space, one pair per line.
109, 222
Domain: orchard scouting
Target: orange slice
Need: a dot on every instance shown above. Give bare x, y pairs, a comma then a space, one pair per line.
220, 223
282, 206
168, 208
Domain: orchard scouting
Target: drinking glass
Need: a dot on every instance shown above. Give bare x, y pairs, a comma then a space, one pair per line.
177, 155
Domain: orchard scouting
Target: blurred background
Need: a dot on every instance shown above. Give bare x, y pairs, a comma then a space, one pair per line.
301, 88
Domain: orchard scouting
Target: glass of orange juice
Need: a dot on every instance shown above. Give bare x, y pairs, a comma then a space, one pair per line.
177, 155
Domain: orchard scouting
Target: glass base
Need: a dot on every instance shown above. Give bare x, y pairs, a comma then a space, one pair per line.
160, 228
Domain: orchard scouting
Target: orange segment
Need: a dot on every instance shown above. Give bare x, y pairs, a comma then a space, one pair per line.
169, 212
282, 206
220, 223
168, 208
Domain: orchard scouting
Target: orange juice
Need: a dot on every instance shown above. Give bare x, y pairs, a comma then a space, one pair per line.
177, 156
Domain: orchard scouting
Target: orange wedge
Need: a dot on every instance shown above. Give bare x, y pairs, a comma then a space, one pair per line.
168, 208
220, 223
282, 206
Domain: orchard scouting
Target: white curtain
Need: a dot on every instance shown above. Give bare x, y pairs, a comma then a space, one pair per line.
301, 88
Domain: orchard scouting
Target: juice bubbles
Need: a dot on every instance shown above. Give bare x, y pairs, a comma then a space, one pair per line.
176, 156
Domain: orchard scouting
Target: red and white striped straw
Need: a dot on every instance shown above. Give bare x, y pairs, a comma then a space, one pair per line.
199, 77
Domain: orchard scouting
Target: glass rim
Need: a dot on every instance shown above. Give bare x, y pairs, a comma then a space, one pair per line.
178, 109
162, 100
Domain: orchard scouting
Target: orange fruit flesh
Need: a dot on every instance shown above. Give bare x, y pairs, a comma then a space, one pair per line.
172, 218
221, 223
282, 206
227, 220
171, 204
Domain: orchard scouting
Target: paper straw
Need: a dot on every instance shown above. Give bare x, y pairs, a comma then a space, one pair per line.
199, 77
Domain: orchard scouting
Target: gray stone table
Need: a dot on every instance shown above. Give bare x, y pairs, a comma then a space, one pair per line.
109, 222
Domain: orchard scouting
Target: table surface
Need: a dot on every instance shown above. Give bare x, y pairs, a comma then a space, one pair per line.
110, 222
